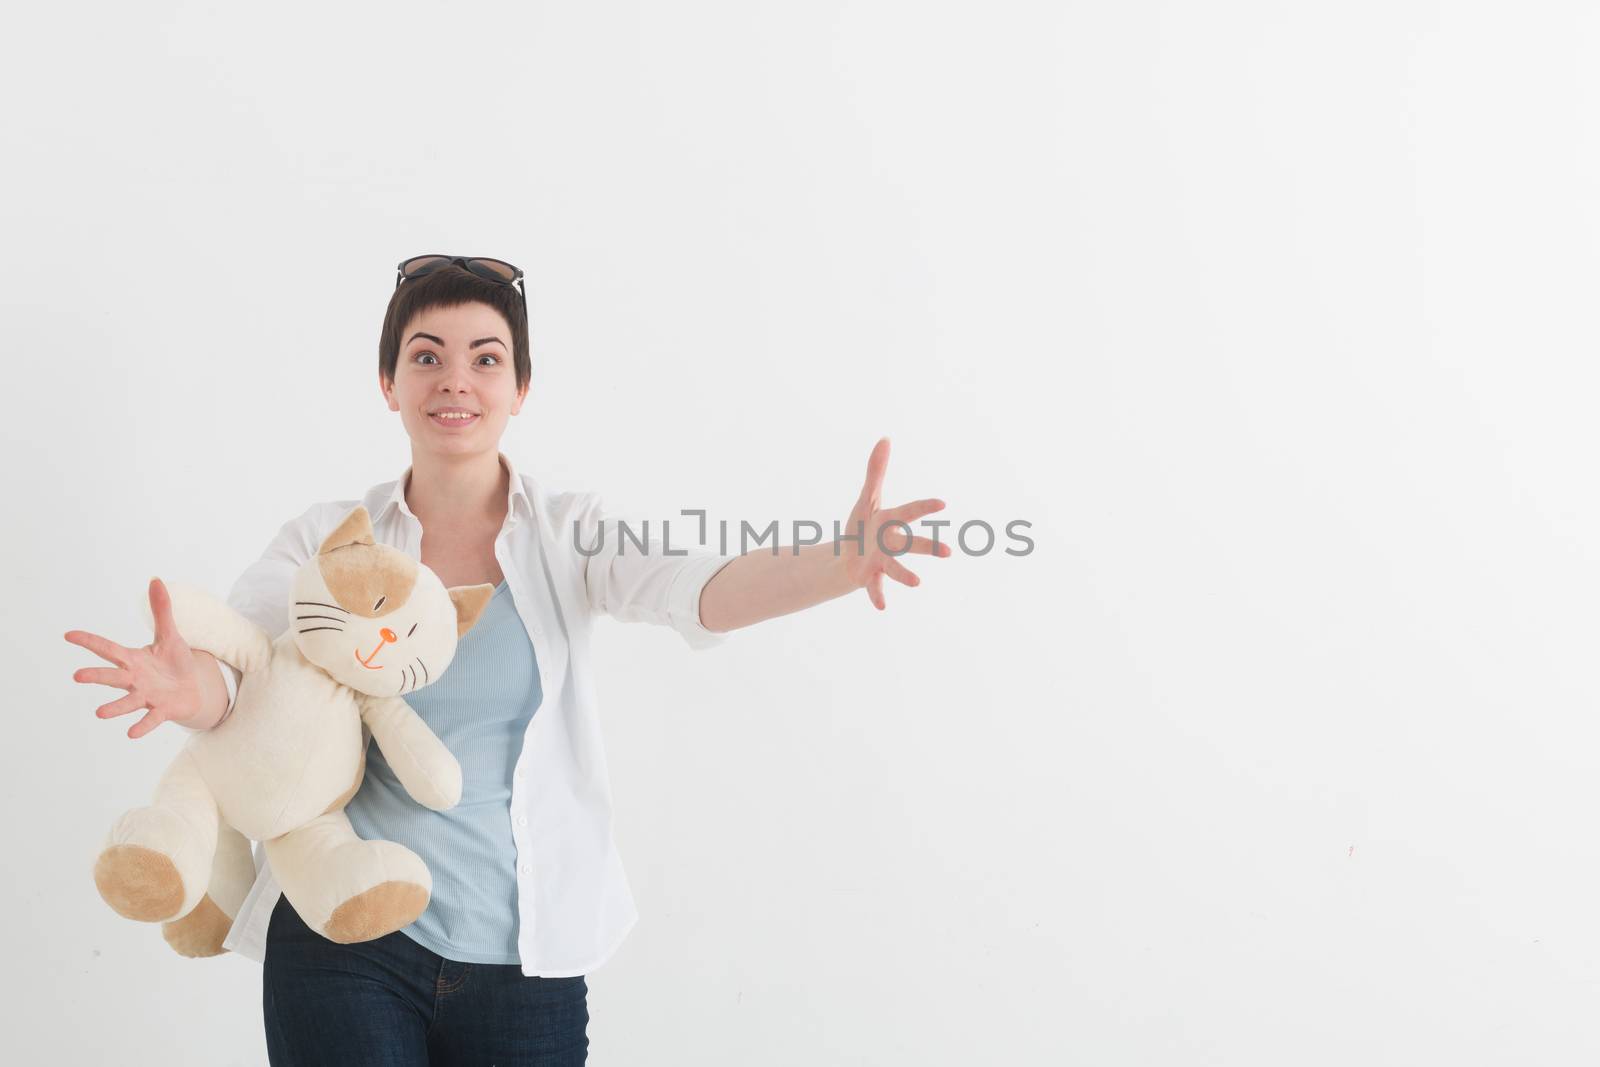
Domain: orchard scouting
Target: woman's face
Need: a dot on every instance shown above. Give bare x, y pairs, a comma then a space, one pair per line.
455, 360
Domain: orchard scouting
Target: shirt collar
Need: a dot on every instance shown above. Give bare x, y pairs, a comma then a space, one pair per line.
518, 503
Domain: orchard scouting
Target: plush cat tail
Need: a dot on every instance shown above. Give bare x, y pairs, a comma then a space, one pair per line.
210, 625
354, 529
470, 600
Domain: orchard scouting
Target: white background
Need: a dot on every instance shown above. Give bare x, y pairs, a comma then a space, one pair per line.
1277, 322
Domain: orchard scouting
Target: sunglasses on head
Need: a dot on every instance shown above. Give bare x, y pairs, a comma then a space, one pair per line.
495, 270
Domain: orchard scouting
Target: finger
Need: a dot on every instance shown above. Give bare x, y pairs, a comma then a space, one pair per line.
146, 724
896, 540
103, 676
896, 570
120, 706
877, 463
915, 510
875, 590
924, 547
100, 646
161, 610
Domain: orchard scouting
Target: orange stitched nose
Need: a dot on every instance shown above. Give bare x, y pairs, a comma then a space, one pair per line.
388, 638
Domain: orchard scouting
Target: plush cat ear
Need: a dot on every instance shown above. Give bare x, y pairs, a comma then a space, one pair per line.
470, 600
354, 529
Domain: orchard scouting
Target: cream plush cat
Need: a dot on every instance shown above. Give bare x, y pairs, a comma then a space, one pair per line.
368, 624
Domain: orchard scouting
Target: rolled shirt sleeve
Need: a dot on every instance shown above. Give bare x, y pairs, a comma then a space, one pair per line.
230, 679
634, 585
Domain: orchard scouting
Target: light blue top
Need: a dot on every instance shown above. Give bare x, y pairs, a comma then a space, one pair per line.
479, 708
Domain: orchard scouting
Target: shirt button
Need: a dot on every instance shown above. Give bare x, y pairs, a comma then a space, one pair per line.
522, 820
527, 868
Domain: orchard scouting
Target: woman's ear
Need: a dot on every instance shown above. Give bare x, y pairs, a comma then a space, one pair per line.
522, 394
387, 388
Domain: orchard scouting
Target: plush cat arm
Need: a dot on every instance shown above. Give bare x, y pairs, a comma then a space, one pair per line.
424, 766
209, 625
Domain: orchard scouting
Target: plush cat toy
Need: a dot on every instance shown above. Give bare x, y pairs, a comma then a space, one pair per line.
368, 624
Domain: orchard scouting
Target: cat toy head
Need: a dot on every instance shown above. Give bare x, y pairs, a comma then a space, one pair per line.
374, 618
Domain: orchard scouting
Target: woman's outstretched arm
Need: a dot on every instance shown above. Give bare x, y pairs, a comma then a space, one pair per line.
763, 585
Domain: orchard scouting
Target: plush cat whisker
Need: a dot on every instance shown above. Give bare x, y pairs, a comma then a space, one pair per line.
414, 681
314, 629
318, 604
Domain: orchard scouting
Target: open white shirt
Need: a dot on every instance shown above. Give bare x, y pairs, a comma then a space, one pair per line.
573, 901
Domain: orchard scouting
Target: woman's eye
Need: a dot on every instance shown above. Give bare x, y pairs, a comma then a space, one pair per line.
420, 356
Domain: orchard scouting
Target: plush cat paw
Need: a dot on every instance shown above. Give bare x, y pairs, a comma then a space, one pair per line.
139, 883
154, 866
201, 932
381, 910
345, 888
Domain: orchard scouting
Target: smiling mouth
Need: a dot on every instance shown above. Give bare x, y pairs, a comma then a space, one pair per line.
453, 420
367, 662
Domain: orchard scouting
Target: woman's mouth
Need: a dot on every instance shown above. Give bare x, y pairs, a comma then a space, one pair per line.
453, 419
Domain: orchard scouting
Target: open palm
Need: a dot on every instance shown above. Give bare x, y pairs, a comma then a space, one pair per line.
160, 676
883, 537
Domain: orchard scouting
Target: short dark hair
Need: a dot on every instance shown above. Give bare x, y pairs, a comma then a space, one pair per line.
452, 286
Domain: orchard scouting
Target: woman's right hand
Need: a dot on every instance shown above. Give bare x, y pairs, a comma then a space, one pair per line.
162, 676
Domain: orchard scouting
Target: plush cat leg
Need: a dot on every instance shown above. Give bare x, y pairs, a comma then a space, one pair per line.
233, 872
345, 888
156, 863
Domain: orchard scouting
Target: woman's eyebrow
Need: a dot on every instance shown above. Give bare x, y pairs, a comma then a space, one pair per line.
475, 344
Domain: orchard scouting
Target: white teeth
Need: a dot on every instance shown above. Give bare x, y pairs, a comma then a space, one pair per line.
458, 415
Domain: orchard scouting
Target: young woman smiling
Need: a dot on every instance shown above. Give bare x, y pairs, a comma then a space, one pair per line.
529, 893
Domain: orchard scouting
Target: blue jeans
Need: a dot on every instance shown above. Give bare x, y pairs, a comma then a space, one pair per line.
392, 1002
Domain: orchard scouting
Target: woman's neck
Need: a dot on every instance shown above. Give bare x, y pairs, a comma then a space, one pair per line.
452, 490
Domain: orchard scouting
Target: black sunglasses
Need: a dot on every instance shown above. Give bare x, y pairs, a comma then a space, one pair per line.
495, 270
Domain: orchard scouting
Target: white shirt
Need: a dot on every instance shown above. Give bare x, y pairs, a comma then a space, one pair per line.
573, 901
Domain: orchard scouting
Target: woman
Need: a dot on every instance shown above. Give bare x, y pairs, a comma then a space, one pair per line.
529, 893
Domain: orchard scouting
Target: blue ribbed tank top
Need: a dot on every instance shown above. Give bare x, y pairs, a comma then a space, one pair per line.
479, 708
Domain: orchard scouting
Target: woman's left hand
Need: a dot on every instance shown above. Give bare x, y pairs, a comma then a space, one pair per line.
882, 535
